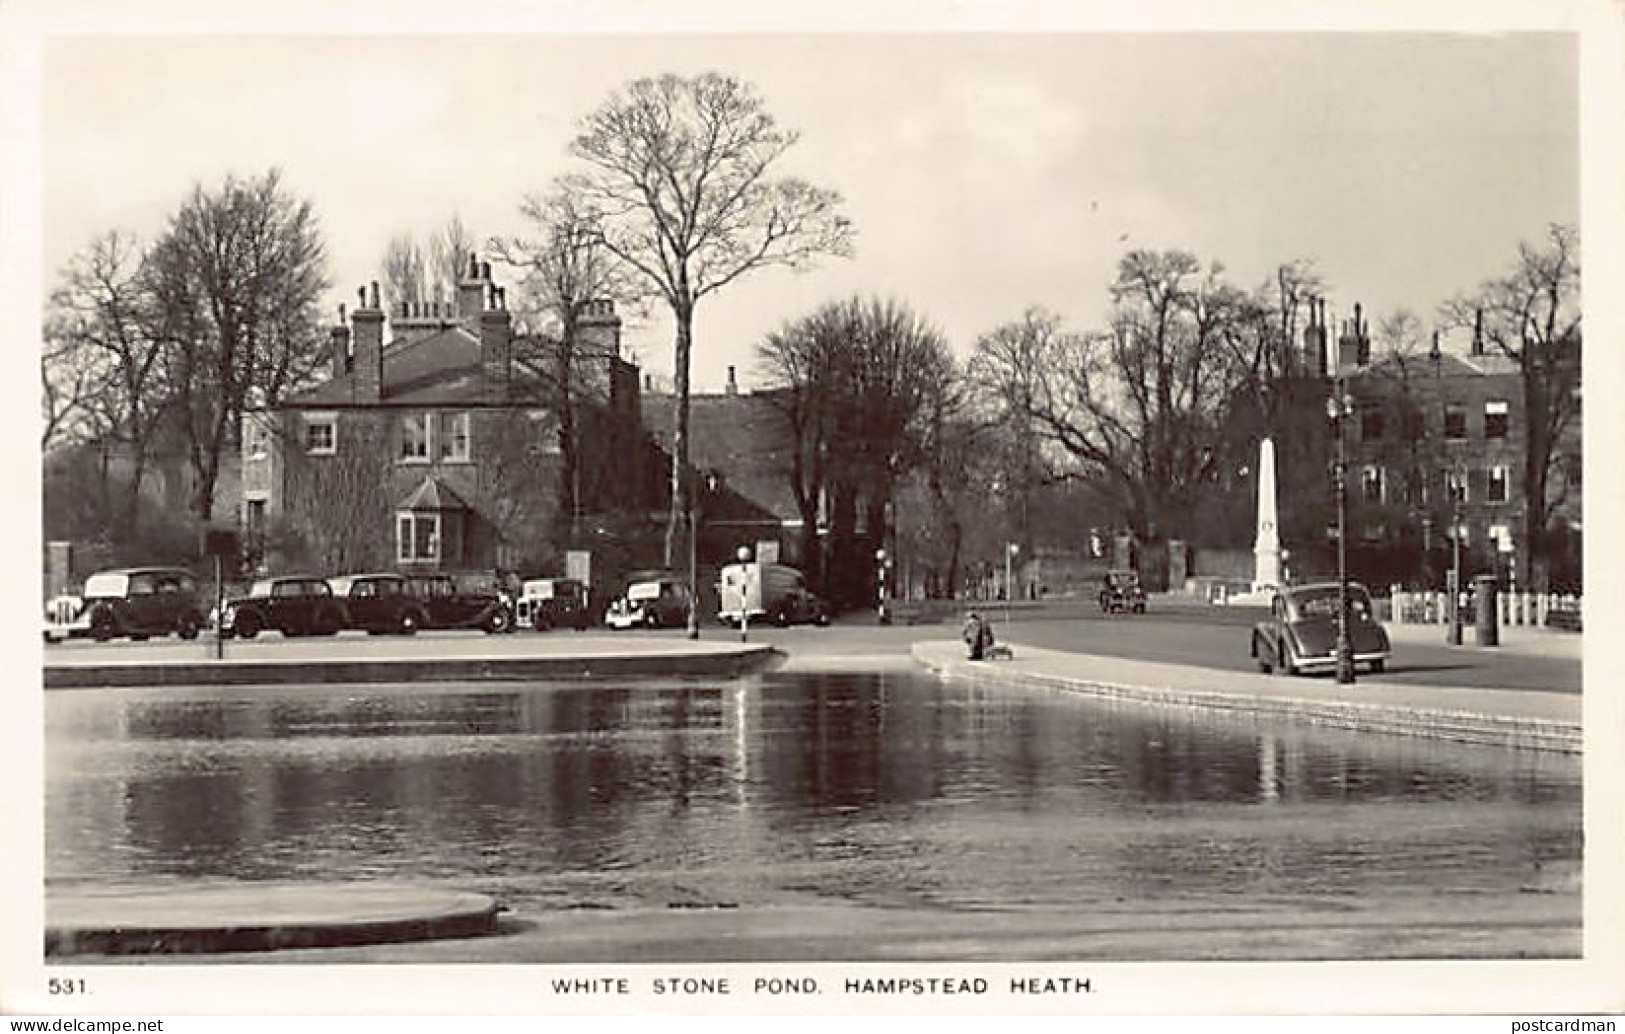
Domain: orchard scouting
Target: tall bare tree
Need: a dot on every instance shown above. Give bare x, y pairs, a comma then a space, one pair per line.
424, 270
102, 365
564, 266
405, 271
236, 279
1532, 315
680, 179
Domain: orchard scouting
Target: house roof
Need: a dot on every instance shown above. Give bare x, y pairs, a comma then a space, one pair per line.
442, 368
745, 440
432, 495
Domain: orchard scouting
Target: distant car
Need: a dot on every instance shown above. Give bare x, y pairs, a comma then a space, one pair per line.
798, 606
446, 604
1120, 590
294, 605
380, 603
546, 603
1301, 633
656, 603
137, 602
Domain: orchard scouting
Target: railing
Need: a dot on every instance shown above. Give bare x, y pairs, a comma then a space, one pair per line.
1546, 610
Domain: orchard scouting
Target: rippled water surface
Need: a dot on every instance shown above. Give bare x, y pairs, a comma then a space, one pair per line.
886, 789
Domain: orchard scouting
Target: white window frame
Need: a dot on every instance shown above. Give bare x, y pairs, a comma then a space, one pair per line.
1500, 472
456, 429
328, 420
426, 422
1501, 535
1500, 408
1450, 409
1456, 481
1381, 478
406, 545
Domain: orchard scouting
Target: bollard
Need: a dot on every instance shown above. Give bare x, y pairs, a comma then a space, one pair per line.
1485, 613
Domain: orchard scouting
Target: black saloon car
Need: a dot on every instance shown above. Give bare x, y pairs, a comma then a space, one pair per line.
446, 604
137, 602
1301, 633
546, 603
293, 605
379, 603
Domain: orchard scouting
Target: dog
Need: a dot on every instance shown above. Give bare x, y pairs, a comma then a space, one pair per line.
999, 652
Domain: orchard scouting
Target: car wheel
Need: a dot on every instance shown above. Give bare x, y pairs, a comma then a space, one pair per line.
1139, 608
187, 627
102, 626
542, 622
497, 621
1289, 662
1105, 605
408, 623
782, 619
651, 621
248, 626
1377, 667
1264, 664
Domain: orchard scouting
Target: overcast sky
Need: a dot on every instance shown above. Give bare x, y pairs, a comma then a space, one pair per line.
984, 173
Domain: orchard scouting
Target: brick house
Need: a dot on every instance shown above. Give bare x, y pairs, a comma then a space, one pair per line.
443, 448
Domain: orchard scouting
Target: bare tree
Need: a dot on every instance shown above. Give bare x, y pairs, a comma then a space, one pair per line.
102, 367
680, 181
405, 271
857, 382
236, 280
564, 266
419, 271
1532, 316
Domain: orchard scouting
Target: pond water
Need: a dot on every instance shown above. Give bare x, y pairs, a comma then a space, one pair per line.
889, 790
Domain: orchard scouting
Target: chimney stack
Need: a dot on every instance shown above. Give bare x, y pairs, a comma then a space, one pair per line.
732, 387
1314, 337
471, 289
367, 386
496, 346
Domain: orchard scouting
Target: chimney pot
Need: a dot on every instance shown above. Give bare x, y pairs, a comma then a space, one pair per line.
374, 296
473, 266
341, 314
485, 270
361, 297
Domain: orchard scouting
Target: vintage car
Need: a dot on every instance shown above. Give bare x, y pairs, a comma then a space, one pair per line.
380, 603
546, 603
292, 604
1301, 633
450, 604
650, 603
1120, 590
137, 602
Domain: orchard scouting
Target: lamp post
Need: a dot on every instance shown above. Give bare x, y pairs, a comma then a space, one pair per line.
1339, 407
1010, 551
744, 592
1453, 636
881, 563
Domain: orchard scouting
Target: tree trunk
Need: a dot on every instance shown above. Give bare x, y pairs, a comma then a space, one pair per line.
681, 504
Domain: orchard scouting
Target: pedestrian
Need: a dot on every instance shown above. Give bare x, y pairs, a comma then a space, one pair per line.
978, 635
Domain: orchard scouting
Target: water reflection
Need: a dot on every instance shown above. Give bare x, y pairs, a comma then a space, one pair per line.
883, 789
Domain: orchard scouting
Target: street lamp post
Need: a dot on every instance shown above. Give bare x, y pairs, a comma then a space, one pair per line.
881, 563
744, 593
1453, 637
1010, 551
1338, 408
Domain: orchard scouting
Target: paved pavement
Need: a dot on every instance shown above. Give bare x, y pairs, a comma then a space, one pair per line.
1548, 721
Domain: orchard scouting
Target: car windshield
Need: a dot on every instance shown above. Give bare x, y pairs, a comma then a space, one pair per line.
105, 586
1122, 579
644, 591
261, 588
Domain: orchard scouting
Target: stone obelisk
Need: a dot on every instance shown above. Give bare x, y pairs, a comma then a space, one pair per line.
1267, 545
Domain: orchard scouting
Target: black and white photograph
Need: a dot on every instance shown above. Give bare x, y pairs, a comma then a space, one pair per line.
990, 511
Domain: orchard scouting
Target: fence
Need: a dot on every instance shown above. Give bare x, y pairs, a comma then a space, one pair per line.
1513, 608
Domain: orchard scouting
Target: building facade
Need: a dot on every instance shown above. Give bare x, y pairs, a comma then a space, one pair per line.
445, 447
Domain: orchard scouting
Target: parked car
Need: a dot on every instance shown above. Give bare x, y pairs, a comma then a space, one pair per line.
379, 603
1301, 632
292, 604
546, 603
137, 602
653, 603
1120, 590
446, 604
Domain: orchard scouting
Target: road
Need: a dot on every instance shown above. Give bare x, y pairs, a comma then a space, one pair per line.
1170, 633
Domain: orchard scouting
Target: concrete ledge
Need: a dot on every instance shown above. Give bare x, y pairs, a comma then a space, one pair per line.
728, 662
1536, 721
257, 917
